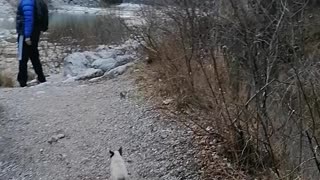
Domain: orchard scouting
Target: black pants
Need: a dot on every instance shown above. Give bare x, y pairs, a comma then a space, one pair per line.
31, 52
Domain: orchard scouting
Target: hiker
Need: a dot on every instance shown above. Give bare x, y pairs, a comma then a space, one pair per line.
31, 20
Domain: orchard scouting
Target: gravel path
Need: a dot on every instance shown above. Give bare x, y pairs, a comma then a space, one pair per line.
90, 118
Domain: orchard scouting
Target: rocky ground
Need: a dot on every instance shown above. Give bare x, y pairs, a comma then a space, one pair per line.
64, 131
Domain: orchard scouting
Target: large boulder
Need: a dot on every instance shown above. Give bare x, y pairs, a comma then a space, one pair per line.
91, 56
108, 60
75, 64
104, 64
106, 54
122, 60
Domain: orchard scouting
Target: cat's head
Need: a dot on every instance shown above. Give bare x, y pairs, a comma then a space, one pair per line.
112, 153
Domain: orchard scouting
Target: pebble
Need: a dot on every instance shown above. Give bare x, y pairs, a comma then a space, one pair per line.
167, 101
56, 138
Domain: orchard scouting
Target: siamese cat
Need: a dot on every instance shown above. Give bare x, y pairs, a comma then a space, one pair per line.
118, 168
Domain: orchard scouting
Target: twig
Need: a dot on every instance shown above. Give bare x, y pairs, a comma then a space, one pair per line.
252, 98
300, 165
313, 152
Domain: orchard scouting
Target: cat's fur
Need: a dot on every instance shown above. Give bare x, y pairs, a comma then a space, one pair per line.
117, 167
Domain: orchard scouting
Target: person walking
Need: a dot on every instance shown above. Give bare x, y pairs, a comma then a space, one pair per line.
31, 20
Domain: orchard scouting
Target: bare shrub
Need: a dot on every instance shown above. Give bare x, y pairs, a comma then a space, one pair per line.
245, 64
6, 79
86, 30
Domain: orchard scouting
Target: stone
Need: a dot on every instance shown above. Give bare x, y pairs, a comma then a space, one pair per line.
75, 64
122, 60
96, 79
118, 71
106, 54
102, 47
91, 56
56, 138
53, 139
123, 95
104, 64
62, 157
60, 136
167, 101
90, 73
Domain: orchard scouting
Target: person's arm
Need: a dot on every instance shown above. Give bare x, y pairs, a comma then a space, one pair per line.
28, 13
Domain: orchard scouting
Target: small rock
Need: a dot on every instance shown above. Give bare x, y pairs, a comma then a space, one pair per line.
229, 165
53, 139
62, 157
56, 138
95, 79
163, 136
167, 101
60, 136
209, 128
123, 95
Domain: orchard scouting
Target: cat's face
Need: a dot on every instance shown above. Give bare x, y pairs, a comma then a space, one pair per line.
112, 153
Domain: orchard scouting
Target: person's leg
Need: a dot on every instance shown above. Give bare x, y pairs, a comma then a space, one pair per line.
37, 66
23, 66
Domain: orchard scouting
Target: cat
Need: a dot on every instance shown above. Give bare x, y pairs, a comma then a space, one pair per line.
117, 167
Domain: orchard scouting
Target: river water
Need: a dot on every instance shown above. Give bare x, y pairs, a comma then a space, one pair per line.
87, 26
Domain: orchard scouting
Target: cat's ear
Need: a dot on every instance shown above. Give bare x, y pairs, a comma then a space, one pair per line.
120, 151
111, 153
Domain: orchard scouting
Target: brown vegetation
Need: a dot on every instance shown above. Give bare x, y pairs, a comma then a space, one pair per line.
246, 65
6, 79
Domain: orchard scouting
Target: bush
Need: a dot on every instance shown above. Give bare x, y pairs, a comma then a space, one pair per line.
6, 79
245, 64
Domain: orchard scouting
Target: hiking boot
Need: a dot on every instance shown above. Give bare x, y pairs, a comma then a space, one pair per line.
22, 84
42, 80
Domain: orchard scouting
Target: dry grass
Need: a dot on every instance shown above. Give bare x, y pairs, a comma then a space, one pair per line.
165, 76
6, 79
262, 112
155, 88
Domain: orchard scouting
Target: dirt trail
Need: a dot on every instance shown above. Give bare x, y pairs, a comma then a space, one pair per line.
93, 118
